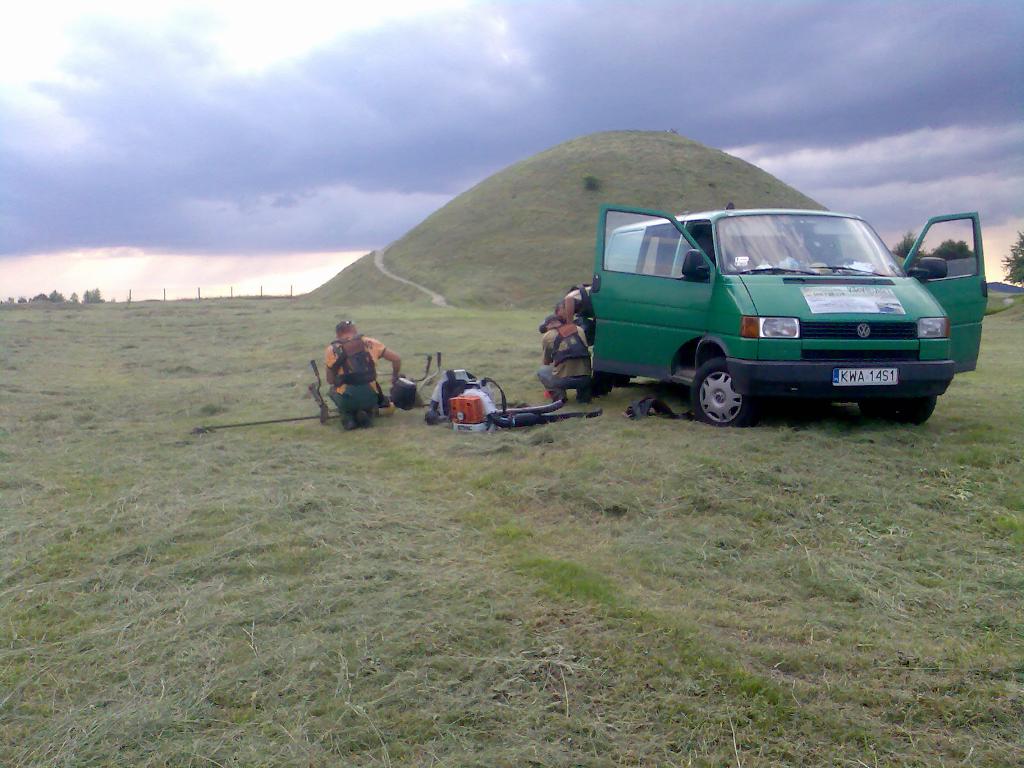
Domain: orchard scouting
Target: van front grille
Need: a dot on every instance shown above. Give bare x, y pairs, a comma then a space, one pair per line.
816, 329
858, 355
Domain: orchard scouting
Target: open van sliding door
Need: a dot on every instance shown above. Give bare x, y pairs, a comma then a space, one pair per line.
963, 293
645, 309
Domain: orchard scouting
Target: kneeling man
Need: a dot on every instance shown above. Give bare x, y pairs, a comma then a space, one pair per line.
352, 374
566, 358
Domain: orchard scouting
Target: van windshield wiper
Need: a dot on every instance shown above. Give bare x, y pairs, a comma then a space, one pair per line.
775, 271
854, 270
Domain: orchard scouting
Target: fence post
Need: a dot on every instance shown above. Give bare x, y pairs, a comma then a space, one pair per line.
232, 291
165, 294
199, 295
129, 295
291, 291
261, 291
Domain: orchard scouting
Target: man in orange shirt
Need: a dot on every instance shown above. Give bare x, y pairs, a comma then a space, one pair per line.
352, 374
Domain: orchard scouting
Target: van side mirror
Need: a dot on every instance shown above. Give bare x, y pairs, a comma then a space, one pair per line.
695, 268
929, 268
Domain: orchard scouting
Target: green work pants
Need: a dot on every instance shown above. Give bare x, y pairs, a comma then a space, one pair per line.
356, 397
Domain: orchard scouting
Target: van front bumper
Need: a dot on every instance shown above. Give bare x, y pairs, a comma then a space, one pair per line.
800, 378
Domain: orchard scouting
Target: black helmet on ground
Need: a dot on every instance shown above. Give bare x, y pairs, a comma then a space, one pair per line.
403, 393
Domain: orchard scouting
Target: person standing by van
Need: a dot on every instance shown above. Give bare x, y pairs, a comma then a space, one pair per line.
352, 374
566, 357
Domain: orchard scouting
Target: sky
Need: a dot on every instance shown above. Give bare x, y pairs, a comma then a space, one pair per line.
235, 144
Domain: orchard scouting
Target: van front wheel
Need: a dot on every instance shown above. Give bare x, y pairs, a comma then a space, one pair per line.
714, 400
911, 410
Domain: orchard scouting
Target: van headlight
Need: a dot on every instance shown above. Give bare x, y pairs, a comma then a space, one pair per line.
770, 327
933, 328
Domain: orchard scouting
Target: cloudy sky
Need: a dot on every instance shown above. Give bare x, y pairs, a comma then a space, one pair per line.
227, 143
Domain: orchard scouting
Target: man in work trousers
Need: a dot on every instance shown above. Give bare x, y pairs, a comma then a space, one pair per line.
352, 374
566, 357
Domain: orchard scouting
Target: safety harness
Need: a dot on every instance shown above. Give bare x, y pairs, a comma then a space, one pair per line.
568, 345
354, 364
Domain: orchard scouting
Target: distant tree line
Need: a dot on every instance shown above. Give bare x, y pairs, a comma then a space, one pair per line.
947, 249
92, 296
950, 250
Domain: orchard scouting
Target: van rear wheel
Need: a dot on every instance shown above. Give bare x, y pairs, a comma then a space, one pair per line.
602, 383
716, 402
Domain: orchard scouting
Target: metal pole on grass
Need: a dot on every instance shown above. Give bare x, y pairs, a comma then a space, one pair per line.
212, 427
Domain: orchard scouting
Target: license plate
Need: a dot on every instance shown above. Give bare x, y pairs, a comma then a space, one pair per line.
864, 377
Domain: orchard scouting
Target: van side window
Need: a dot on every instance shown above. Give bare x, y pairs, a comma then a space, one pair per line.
641, 244
659, 251
623, 250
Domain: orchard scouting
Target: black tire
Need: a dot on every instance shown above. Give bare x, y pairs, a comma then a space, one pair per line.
911, 410
917, 410
601, 384
715, 402
877, 409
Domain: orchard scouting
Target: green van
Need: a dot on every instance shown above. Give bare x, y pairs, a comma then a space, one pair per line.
741, 305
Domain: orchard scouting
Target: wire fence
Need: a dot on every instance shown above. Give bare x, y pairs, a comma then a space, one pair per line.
218, 293
97, 296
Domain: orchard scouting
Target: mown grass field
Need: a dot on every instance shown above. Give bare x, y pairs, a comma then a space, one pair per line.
821, 590
1000, 302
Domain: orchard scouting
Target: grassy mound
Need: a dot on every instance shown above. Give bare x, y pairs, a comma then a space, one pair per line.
521, 235
361, 283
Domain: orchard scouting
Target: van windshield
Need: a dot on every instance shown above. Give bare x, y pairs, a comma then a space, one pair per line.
802, 243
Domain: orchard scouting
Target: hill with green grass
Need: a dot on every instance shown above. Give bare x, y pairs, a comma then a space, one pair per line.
523, 234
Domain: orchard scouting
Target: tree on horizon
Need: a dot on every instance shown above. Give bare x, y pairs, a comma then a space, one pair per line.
902, 248
1014, 262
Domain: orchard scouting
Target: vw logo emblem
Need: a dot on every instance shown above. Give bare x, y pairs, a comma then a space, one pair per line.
863, 330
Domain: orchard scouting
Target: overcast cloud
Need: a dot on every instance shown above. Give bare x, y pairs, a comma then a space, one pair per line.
148, 138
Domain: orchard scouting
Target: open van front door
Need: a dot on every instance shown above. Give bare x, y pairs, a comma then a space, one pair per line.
956, 240
647, 306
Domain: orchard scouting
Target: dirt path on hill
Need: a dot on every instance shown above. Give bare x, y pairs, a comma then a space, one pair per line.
378, 260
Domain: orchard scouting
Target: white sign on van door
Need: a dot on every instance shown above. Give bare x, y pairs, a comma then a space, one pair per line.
835, 299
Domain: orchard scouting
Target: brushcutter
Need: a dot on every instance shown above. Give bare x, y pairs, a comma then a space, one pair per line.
214, 427
427, 376
314, 391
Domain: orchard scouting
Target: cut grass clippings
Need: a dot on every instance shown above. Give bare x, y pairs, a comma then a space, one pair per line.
820, 590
